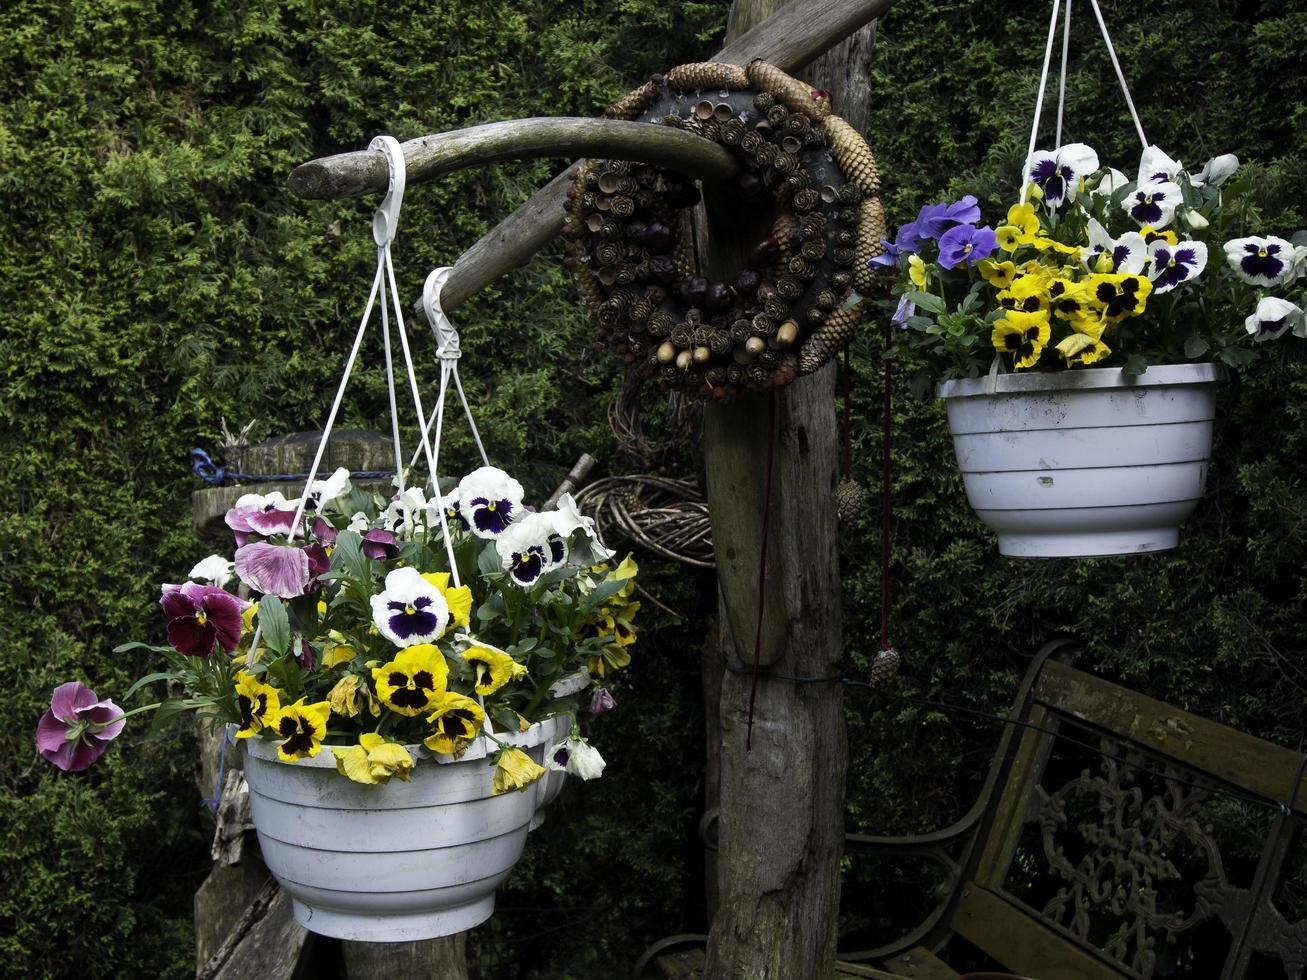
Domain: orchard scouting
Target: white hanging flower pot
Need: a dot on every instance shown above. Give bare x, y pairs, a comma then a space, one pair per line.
397, 862
1087, 462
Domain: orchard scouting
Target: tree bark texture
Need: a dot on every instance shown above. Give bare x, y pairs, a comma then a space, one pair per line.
781, 826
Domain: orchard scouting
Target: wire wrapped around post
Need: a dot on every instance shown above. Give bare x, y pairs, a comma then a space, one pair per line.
798, 298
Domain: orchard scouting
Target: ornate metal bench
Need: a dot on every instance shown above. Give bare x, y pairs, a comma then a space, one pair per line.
1116, 836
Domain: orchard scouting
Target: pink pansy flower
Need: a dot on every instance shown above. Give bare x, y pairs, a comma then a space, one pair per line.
200, 615
78, 727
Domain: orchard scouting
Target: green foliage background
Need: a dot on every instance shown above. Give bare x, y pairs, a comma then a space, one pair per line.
156, 277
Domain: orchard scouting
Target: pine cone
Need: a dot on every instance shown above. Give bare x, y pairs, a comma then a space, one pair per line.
871, 229
633, 103
853, 155
885, 666
827, 339
707, 74
850, 500
794, 94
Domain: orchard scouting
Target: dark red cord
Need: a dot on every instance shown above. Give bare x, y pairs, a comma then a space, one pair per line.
884, 490
762, 562
846, 439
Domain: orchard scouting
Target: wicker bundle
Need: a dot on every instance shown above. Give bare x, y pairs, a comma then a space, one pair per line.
628, 235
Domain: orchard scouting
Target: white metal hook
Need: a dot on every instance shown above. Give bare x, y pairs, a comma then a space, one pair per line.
385, 220
447, 343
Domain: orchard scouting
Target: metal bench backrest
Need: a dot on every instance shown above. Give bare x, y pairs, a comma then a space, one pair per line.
1142, 841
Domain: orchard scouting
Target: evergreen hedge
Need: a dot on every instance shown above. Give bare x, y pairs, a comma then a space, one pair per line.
156, 277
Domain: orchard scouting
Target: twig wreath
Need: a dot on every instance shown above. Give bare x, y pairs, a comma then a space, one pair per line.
808, 193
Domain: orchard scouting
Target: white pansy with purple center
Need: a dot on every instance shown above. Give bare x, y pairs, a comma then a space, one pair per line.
1155, 167
264, 501
1261, 261
1127, 254
410, 610
576, 757
525, 550
1154, 204
1275, 316
1170, 265
490, 501
405, 513
1058, 174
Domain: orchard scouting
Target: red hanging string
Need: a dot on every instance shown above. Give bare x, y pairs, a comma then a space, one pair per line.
846, 438
884, 489
762, 562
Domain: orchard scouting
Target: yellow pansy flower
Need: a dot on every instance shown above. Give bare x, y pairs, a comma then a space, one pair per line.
917, 271
1022, 218
374, 760
458, 719
1050, 245
493, 668
1151, 234
247, 617
1116, 297
458, 599
1027, 294
1023, 335
1081, 348
258, 703
997, 274
301, 728
617, 624
514, 770
411, 682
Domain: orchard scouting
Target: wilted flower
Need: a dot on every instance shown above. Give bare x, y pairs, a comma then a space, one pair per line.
458, 719
333, 488
602, 701
492, 668
274, 569
374, 760
576, 757
514, 770
77, 727
201, 615
381, 545
1216, 171
1274, 317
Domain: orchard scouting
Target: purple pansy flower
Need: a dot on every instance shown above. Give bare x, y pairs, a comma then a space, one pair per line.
490, 500
78, 727
1170, 265
274, 569
904, 311
887, 259
1058, 174
1154, 204
200, 615
381, 545
324, 532
1261, 261
933, 220
410, 609
966, 245
602, 701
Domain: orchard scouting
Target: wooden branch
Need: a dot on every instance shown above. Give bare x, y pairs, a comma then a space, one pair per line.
364, 171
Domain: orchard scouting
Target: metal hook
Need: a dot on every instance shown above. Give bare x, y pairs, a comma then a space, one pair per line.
385, 220
447, 344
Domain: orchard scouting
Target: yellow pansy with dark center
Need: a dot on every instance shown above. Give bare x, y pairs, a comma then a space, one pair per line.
1027, 294
411, 682
257, 702
458, 598
1118, 296
493, 668
457, 720
301, 728
1023, 335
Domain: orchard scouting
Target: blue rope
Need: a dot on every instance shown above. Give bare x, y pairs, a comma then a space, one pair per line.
216, 800
214, 475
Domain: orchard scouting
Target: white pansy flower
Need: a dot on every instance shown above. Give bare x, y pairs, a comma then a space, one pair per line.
1274, 317
1154, 204
1170, 265
576, 757
410, 609
1216, 171
215, 569
1262, 261
1111, 182
1155, 167
1126, 255
323, 492
1060, 173
489, 500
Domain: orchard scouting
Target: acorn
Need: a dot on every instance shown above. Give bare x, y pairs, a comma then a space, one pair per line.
791, 144
684, 359
609, 181
754, 346
691, 290
681, 194
750, 187
657, 237
702, 355
703, 109
787, 333
718, 297
763, 128
662, 270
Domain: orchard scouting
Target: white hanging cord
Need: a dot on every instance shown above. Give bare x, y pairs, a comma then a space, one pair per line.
383, 256
1039, 102
1061, 82
1111, 51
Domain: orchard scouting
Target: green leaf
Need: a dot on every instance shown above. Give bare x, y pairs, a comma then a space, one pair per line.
128, 647
276, 625
488, 561
1195, 346
167, 713
927, 301
1135, 366
149, 679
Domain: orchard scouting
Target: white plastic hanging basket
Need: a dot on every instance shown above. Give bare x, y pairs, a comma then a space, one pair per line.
399, 862
1084, 463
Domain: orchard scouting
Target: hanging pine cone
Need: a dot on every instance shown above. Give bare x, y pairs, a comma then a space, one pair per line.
633, 103
853, 155
885, 666
827, 339
850, 500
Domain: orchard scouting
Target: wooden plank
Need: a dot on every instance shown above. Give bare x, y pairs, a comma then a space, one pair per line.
921, 964
1249, 763
1023, 943
444, 958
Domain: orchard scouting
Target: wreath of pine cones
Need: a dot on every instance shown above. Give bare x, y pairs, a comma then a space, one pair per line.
808, 193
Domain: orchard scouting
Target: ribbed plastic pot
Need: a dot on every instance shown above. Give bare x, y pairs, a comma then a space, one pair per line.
398, 862
1084, 463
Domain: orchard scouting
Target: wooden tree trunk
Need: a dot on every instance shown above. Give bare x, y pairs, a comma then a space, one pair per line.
781, 827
